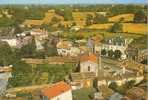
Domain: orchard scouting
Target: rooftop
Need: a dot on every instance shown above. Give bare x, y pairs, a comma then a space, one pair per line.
88, 57
64, 44
56, 89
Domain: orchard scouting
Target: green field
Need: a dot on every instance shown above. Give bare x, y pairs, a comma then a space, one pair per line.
83, 94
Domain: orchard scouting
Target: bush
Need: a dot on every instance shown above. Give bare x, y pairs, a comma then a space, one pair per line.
117, 54
103, 52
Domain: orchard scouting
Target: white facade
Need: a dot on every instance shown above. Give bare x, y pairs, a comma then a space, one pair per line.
63, 96
63, 51
101, 82
74, 51
11, 42
89, 66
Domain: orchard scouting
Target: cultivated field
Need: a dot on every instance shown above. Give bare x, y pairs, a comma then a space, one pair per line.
127, 27
126, 18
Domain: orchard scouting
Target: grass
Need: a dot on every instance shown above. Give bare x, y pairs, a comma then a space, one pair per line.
83, 94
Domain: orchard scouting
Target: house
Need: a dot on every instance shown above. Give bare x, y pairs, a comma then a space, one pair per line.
89, 63
23, 40
98, 96
74, 51
57, 91
11, 40
116, 43
6, 69
64, 48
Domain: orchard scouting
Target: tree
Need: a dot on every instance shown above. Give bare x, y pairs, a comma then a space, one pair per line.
28, 50
117, 54
6, 54
66, 13
103, 52
130, 84
140, 17
89, 19
113, 85
110, 53
49, 49
55, 20
99, 19
116, 27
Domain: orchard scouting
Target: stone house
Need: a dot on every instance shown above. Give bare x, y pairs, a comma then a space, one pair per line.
89, 63
116, 43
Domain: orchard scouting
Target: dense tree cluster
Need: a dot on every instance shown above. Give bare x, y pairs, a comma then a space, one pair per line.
116, 27
112, 54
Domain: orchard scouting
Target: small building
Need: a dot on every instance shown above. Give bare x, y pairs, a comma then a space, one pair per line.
57, 91
74, 51
98, 96
12, 41
64, 47
89, 63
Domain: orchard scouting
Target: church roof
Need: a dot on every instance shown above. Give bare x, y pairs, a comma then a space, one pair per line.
88, 57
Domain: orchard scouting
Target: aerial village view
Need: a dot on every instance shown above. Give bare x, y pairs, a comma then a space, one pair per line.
73, 50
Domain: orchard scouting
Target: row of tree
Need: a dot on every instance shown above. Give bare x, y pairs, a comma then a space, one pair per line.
112, 54
97, 19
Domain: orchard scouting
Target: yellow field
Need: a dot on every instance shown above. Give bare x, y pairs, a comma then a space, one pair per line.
100, 26
135, 28
126, 17
127, 27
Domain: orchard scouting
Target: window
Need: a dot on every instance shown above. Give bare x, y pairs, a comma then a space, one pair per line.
89, 68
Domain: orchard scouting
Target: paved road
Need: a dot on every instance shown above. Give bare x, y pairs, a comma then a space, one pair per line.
4, 81
113, 65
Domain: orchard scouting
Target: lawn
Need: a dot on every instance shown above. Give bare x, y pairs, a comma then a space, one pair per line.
83, 94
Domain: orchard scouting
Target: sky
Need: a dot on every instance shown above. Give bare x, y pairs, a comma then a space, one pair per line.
71, 1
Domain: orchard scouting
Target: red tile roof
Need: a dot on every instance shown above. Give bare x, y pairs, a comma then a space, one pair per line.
56, 89
90, 57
